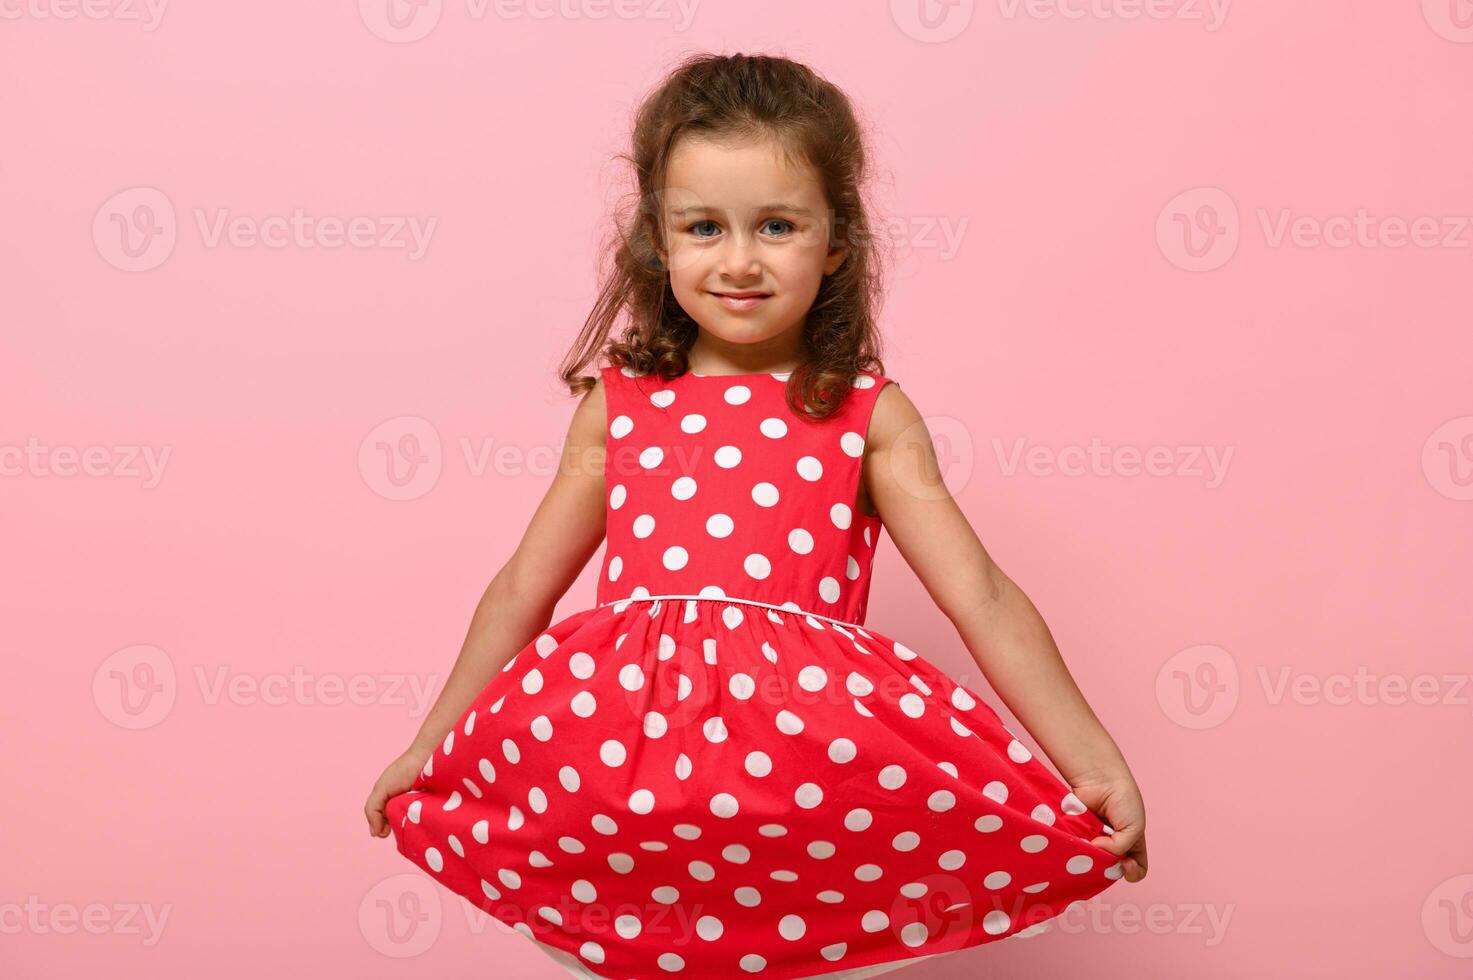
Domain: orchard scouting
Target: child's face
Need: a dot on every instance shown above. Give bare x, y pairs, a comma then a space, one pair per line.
739, 219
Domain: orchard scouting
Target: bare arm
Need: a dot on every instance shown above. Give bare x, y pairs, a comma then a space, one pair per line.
518, 604
1002, 630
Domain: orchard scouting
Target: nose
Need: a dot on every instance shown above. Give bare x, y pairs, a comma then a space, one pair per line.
738, 262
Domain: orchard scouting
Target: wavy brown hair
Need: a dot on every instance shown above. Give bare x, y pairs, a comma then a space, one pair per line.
739, 96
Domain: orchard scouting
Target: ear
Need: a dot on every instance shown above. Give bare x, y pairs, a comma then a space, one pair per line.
834, 259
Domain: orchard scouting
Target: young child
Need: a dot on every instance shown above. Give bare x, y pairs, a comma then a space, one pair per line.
718, 771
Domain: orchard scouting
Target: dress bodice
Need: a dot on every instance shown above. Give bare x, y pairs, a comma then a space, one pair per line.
716, 487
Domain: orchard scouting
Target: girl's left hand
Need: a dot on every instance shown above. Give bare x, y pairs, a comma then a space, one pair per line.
1115, 799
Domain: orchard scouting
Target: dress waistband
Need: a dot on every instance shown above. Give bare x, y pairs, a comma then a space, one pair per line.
732, 598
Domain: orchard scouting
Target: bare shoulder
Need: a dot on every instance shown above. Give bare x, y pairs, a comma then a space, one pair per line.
894, 413
590, 418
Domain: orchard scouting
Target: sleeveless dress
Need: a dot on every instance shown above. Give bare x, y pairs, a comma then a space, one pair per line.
719, 771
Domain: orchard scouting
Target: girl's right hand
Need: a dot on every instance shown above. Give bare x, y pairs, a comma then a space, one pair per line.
398, 777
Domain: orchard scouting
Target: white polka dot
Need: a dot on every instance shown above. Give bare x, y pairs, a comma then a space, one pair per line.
1018, 752
693, 423
621, 427
434, 858
701, 870
541, 728
651, 456
531, 683
617, 496
874, 920
583, 704
842, 750
913, 705
841, 515
737, 394
752, 963
1079, 864
813, 678
907, 840
892, 777
808, 795
852, 443
1033, 843
612, 752
683, 488
727, 456
736, 853
719, 525
675, 558
757, 566
714, 728
742, 686
791, 927
996, 922
747, 896
671, 962
773, 428
759, 763
765, 495
663, 398
631, 677
709, 927
655, 724
941, 800
724, 805
809, 468
644, 526
988, 823
914, 933
858, 819
641, 801
828, 588
616, 565
951, 860
800, 541
789, 723
581, 665
996, 880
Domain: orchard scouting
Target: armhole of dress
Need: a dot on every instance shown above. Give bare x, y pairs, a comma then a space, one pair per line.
869, 415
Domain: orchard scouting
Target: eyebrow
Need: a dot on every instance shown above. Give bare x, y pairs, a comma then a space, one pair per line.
780, 206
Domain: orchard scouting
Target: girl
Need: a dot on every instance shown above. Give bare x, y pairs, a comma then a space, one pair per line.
718, 771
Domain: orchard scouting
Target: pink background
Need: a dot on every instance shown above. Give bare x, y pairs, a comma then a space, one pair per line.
1293, 832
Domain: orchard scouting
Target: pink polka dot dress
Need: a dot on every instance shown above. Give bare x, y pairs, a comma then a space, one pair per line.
719, 771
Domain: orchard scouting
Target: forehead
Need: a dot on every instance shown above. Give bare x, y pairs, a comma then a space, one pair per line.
738, 176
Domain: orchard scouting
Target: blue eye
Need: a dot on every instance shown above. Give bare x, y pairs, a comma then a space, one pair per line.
780, 221
698, 224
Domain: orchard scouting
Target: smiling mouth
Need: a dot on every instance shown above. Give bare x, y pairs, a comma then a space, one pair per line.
743, 295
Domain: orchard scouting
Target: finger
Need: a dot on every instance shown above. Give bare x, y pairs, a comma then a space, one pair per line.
374, 811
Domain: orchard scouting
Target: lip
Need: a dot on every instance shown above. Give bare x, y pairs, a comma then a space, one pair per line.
738, 301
